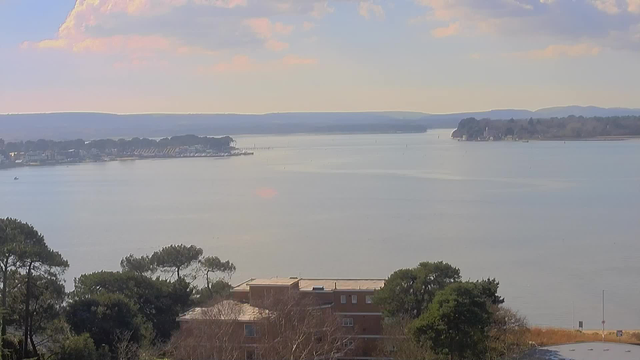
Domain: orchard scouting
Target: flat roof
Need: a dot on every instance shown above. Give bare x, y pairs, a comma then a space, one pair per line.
342, 284
586, 351
309, 284
225, 310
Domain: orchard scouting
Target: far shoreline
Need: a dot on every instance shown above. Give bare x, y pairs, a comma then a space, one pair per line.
128, 159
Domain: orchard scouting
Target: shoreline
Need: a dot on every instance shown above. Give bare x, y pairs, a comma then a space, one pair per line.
594, 139
123, 159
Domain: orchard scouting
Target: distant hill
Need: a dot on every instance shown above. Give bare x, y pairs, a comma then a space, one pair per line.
63, 126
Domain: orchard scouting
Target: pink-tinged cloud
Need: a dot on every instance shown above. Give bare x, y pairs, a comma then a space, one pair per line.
556, 51
228, 4
238, 63
608, 6
296, 60
138, 63
116, 44
267, 193
46, 44
275, 45
265, 29
307, 25
452, 29
367, 9
321, 9
633, 6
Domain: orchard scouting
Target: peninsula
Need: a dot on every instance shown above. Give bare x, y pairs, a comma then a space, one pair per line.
49, 152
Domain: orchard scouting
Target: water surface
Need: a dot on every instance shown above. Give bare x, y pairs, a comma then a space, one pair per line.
555, 222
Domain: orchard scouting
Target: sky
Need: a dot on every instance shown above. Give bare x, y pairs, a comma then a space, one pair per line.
259, 56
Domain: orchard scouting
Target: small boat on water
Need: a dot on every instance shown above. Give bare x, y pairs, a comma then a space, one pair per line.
16, 178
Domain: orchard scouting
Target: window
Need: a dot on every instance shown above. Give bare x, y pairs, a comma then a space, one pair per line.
347, 344
249, 330
369, 299
250, 354
354, 299
347, 321
343, 299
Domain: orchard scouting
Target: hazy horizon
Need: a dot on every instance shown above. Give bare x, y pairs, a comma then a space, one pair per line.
321, 111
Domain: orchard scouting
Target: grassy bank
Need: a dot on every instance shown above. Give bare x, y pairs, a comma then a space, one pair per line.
552, 336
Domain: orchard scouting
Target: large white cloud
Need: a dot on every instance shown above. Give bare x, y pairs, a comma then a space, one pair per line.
211, 25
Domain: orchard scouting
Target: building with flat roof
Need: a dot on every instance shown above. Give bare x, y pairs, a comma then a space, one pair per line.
350, 299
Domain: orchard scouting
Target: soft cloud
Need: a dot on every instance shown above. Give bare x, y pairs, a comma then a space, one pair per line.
238, 63
368, 8
606, 23
229, 4
307, 25
555, 51
608, 6
452, 29
265, 29
275, 45
633, 6
296, 60
321, 9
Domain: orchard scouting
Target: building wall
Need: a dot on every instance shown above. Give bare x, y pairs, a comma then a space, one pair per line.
258, 295
367, 318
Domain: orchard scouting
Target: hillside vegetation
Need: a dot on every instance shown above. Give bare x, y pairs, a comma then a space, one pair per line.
572, 127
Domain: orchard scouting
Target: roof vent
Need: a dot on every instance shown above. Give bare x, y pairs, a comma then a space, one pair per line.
318, 288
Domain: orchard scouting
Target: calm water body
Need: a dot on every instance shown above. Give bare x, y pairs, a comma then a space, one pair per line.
556, 223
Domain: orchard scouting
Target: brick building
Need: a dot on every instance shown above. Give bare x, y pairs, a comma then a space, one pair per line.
350, 299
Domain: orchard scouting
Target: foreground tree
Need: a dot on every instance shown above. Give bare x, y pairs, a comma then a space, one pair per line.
79, 348
508, 334
176, 259
45, 311
37, 260
26, 261
103, 317
398, 344
159, 302
216, 274
10, 230
140, 265
408, 292
456, 323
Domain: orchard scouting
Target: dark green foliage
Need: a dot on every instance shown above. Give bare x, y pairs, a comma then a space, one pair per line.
28, 263
140, 265
489, 289
46, 306
215, 272
572, 127
175, 259
456, 322
217, 290
121, 145
103, 317
408, 292
159, 302
78, 348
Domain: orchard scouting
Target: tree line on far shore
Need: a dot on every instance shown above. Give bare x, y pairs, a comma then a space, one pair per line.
120, 145
572, 127
430, 313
